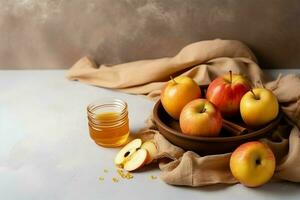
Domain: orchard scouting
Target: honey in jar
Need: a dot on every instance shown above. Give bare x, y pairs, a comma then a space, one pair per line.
108, 122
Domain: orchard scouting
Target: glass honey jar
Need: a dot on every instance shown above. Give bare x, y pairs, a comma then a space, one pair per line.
108, 122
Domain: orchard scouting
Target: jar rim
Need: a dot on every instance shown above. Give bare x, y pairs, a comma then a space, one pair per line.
107, 103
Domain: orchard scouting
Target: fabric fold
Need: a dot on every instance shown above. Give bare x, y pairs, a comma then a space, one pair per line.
201, 61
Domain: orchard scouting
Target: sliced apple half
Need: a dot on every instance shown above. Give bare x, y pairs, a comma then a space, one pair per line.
152, 150
136, 160
127, 151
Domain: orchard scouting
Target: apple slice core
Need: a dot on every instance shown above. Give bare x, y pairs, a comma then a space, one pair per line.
136, 160
126, 152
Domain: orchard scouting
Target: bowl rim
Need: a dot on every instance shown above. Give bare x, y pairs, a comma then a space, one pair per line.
250, 135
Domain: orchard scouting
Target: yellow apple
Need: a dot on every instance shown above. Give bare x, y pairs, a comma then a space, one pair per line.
258, 107
200, 118
252, 163
177, 93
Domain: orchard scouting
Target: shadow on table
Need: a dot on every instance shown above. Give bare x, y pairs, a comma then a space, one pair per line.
283, 188
148, 168
280, 189
210, 188
277, 189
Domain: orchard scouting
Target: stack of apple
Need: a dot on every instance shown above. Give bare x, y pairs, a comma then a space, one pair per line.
227, 96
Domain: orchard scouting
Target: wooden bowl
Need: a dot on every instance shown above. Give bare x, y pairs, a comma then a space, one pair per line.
225, 143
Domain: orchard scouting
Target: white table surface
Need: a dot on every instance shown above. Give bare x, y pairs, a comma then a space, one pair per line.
46, 152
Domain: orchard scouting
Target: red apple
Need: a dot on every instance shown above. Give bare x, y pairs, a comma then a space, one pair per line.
177, 93
226, 92
200, 118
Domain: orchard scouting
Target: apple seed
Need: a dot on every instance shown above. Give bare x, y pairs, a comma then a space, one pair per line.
126, 154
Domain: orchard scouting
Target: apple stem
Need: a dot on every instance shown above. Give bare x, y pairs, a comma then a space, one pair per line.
173, 79
261, 84
203, 110
255, 97
230, 73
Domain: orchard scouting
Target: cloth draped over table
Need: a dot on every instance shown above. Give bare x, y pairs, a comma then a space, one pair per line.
203, 61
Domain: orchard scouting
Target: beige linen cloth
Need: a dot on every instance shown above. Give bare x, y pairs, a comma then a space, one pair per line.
203, 61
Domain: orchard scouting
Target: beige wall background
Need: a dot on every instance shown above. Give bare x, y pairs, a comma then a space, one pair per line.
56, 33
